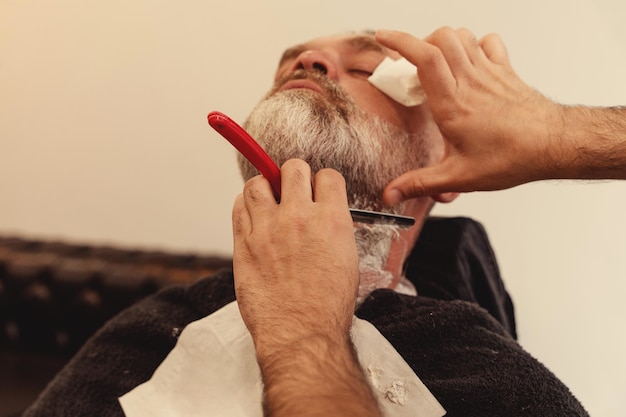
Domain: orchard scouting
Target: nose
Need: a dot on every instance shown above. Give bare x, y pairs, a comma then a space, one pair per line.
316, 61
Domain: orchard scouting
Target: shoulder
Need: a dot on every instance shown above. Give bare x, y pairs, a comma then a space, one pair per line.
466, 358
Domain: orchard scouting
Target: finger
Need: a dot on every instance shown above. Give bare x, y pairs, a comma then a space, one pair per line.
241, 219
422, 182
472, 46
330, 186
495, 50
433, 70
453, 49
258, 199
242, 227
296, 186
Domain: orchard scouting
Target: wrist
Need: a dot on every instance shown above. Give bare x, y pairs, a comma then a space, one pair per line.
536, 140
294, 329
549, 151
555, 153
277, 347
315, 375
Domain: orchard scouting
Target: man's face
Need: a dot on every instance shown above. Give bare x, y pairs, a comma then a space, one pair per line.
322, 109
349, 60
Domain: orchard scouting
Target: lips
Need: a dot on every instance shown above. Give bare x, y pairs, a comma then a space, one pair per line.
301, 84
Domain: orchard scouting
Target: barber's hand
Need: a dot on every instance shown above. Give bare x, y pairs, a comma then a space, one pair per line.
295, 263
496, 128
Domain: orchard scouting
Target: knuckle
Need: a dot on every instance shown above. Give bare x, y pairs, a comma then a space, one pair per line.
490, 37
330, 176
467, 34
300, 178
417, 187
300, 223
238, 226
298, 171
295, 164
443, 33
434, 58
239, 220
252, 189
253, 182
432, 54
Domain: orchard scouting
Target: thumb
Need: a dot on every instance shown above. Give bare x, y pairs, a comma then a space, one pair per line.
429, 181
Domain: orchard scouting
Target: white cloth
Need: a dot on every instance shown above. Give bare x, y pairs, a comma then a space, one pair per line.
212, 371
398, 79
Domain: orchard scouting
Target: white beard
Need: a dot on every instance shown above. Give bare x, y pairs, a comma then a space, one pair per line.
331, 131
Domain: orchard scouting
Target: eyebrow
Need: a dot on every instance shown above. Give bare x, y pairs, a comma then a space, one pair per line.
366, 44
358, 43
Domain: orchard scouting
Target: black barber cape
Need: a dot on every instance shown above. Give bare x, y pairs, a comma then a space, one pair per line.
458, 335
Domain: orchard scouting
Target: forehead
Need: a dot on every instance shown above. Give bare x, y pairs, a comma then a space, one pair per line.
350, 43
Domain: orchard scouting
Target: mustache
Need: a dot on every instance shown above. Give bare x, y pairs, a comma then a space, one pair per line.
334, 94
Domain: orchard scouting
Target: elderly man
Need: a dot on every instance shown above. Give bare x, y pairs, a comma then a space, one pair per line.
301, 268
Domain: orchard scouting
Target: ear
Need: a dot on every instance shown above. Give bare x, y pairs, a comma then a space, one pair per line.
445, 197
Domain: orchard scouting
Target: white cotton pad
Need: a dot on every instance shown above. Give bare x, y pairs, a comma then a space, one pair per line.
398, 79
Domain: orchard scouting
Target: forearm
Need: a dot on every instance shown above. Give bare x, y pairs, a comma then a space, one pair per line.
591, 143
316, 376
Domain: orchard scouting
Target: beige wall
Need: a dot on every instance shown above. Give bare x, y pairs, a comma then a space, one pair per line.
103, 138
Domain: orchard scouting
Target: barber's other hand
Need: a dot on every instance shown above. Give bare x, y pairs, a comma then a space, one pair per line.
295, 263
496, 128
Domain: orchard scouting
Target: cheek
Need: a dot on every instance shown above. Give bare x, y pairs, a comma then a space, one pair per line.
373, 101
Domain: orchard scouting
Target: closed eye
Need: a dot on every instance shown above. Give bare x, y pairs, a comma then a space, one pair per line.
360, 72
